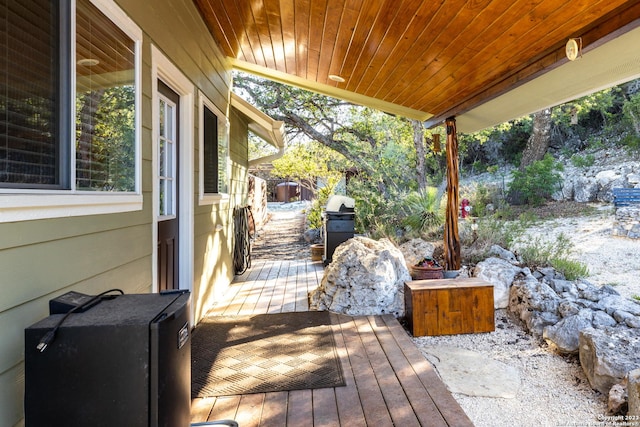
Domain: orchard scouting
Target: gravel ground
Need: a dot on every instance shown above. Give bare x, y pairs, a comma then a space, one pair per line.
554, 390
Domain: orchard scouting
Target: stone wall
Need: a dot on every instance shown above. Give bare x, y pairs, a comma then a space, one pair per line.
627, 222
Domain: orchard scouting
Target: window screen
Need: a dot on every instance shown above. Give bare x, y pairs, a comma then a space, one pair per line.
211, 161
105, 103
29, 93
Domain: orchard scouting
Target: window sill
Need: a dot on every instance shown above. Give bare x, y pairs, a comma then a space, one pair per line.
47, 205
213, 199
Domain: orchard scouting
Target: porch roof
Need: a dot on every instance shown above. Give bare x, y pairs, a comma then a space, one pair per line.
483, 61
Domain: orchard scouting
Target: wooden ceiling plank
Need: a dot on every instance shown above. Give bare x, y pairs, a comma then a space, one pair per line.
422, 36
258, 23
318, 10
330, 28
239, 17
367, 16
437, 52
302, 28
272, 13
395, 34
490, 23
220, 27
287, 19
381, 30
414, 28
453, 51
561, 33
625, 17
348, 20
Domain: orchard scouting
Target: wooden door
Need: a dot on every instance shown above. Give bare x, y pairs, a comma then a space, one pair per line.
168, 187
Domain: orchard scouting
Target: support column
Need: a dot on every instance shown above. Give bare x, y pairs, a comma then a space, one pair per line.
451, 236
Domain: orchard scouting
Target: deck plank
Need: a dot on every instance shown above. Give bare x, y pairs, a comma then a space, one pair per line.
325, 408
300, 409
224, 408
394, 396
274, 412
347, 397
371, 399
250, 410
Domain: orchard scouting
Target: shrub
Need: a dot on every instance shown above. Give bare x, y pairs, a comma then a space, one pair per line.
540, 253
537, 182
571, 269
583, 161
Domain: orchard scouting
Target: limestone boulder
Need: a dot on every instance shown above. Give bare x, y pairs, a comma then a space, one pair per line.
500, 273
365, 277
607, 355
565, 335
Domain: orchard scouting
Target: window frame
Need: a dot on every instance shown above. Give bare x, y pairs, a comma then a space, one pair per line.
20, 204
223, 129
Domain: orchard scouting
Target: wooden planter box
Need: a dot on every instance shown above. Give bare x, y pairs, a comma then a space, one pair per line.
449, 306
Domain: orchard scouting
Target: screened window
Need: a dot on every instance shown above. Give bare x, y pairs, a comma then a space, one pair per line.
54, 135
215, 151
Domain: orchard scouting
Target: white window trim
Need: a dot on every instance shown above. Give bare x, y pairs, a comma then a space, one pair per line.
32, 204
210, 198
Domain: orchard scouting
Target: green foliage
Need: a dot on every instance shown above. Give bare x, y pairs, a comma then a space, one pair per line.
631, 112
314, 215
636, 297
422, 210
307, 161
537, 182
583, 161
571, 269
538, 252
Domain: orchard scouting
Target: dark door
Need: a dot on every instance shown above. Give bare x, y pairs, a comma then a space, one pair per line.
168, 187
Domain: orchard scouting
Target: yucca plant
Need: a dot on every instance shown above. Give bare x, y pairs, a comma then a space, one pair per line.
422, 210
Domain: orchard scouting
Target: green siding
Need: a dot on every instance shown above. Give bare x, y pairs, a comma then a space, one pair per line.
42, 259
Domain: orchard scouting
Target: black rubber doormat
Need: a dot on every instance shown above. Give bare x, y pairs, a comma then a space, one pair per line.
264, 353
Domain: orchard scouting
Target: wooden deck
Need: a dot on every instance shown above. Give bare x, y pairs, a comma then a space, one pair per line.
389, 382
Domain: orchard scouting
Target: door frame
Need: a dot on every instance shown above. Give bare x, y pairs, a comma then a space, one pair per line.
163, 69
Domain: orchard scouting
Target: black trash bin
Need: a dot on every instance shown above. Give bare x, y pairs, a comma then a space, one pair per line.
339, 219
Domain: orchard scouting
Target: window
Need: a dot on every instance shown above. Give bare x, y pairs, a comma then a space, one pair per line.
69, 96
214, 149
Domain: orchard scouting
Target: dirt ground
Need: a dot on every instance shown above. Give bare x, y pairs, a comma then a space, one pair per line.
281, 237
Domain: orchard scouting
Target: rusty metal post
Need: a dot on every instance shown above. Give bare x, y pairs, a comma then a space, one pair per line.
451, 236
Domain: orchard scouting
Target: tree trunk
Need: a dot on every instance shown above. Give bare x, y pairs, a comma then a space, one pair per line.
420, 146
539, 140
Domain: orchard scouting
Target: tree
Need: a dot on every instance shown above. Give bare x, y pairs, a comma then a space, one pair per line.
308, 161
380, 146
539, 140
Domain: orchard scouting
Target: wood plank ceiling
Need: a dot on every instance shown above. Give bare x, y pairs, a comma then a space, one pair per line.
432, 59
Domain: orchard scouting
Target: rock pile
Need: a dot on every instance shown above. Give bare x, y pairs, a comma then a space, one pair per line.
627, 222
594, 183
575, 317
